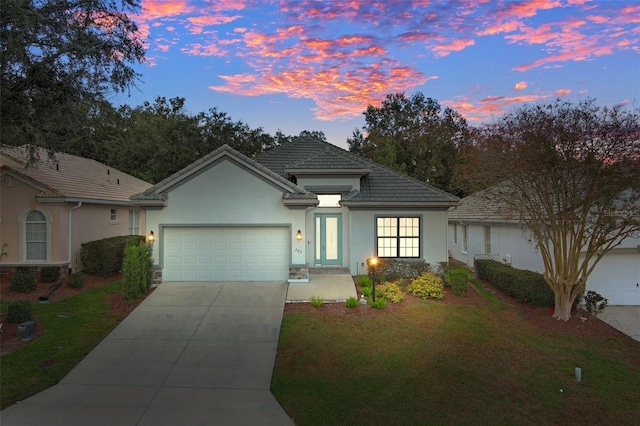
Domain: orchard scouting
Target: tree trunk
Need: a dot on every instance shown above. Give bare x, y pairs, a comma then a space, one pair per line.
563, 305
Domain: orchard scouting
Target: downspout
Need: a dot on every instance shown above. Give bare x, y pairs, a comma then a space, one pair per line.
71, 232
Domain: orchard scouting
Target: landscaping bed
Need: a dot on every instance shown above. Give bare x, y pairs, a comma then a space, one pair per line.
8, 340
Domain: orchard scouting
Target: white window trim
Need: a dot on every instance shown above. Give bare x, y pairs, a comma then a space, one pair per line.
113, 221
465, 239
22, 230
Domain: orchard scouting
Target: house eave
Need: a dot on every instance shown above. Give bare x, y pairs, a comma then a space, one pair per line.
398, 204
324, 172
45, 199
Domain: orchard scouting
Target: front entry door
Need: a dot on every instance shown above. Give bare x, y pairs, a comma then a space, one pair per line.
328, 239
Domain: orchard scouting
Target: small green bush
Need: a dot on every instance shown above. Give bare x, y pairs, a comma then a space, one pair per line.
595, 303
19, 311
392, 270
138, 271
427, 286
351, 302
49, 274
316, 301
22, 283
380, 303
76, 280
458, 280
364, 281
104, 257
391, 292
366, 291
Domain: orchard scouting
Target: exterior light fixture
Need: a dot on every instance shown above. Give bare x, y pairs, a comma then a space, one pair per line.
299, 235
151, 237
373, 261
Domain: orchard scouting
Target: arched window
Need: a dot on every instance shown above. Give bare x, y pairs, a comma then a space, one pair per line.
36, 236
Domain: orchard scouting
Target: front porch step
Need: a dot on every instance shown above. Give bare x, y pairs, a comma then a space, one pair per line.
329, 270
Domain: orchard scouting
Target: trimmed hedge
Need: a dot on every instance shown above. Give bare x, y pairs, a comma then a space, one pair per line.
138, 271
104, 257
392, 270
526, 286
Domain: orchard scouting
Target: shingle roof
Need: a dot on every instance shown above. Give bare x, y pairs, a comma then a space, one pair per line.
157, 191
70, 177
479, 207
380, 186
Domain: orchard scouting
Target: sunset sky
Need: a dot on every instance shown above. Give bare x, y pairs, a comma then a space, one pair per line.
316, 65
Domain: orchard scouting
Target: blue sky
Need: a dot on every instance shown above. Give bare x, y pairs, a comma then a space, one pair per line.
316, 65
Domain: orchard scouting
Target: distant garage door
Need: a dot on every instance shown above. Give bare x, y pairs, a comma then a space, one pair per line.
226, 253
617, 278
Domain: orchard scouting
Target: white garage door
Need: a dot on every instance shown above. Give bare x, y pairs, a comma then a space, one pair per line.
617, 277
226, 253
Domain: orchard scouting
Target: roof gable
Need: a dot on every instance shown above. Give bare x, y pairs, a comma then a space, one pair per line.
159, 191
380, 186
66, 177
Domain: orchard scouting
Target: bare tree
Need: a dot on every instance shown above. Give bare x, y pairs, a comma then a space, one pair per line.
571, 174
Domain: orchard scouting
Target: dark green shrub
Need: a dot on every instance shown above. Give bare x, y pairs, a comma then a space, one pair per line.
594, 302
524, 286
458, 280
49, 274
104, 257
76, 280
19, 311
351, 302
392, 270
22, 283
138, 270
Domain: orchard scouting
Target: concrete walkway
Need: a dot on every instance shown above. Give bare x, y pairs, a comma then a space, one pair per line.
332, 288
190, 354
624, 318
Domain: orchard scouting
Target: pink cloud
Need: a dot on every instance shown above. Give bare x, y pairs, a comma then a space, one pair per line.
521, 85
562, 92
456, 45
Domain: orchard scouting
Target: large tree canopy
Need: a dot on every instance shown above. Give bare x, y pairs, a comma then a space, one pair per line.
571, 174
413, 135
60, 58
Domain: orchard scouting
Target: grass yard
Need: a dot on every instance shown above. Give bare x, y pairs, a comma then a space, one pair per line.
73, 327
434, 363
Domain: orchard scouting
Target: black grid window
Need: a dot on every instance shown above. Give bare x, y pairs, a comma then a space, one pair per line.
398, 236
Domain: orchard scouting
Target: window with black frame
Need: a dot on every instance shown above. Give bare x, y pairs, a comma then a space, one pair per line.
398, 237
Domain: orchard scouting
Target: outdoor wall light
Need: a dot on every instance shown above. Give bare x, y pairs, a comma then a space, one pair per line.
299, 235
151, 237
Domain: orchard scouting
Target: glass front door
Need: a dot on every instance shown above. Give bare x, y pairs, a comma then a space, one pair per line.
328, 238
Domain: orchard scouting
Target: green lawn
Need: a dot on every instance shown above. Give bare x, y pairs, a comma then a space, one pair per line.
436, 363
73, 327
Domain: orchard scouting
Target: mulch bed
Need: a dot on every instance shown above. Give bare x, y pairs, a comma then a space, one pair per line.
541, 318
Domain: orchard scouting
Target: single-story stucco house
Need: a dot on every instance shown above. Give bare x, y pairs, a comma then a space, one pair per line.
304, 204
477, 229
49, 208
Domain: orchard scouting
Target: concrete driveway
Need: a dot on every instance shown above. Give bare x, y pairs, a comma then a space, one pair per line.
624, 318
190, 354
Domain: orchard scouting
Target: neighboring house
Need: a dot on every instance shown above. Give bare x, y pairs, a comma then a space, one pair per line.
477, 229
304, 204
50, 208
